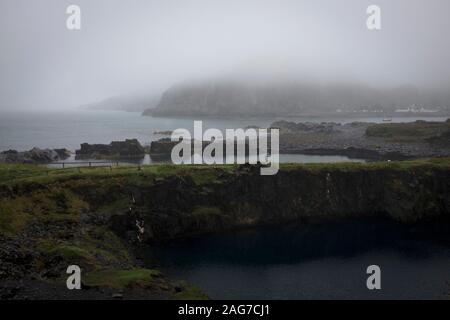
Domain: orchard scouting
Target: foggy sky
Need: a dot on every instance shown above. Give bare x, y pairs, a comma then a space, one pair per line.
148, 45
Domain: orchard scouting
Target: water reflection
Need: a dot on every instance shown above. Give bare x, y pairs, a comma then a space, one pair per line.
311, 261
147, 159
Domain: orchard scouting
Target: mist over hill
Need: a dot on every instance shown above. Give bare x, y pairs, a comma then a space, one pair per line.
288, 97
129, 102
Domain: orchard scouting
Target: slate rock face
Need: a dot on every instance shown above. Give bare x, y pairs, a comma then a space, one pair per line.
214, 199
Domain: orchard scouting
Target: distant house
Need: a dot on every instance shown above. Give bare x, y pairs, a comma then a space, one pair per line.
416, 109
428, 110
403, 110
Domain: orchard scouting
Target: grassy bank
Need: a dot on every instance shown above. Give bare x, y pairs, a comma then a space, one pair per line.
411, 131
13, 174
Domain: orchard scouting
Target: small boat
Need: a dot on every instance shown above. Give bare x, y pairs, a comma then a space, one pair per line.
387, 119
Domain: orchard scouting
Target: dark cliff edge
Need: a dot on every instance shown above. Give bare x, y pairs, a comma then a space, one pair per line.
98, 218
186, 204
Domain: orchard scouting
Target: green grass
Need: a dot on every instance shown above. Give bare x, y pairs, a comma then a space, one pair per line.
203, 177
189, 292
14, 174
12, 217
355, 166
418, 130
97, 247
39, 174
17, 175
49, 204
120, 279
71, 253
18, 171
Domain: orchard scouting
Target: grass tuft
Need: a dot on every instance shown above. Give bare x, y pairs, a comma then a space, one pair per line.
120, 279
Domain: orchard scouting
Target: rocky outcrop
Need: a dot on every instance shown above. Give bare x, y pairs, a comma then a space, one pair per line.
324, 127
442, 139
163, 133
359, 140
393, 141
162, 148
34, 155
130, 148
63, 153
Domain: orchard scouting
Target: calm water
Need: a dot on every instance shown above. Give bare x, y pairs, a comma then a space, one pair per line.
56, 129
283, 158
305, 262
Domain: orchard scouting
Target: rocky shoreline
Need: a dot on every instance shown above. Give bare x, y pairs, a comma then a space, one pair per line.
128, 149
34, 155
420, 139
359, 140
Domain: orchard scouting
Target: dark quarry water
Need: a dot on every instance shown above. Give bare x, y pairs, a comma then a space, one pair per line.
311, 262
